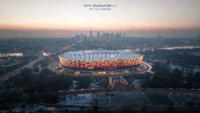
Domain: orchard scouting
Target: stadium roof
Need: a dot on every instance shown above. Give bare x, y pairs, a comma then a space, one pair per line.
98, 54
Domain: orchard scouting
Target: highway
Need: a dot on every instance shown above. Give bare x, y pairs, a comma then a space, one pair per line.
15, 72
149, 67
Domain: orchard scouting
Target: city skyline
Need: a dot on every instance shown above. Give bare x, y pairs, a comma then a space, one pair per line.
101, 35
136, 18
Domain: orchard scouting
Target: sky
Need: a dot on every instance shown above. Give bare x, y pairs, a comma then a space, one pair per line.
65, 18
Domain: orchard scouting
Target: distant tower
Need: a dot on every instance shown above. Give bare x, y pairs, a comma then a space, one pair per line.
124, 35
85, 37
81, 35
117, 35
90, 34
98, 35
100, 44
112, 35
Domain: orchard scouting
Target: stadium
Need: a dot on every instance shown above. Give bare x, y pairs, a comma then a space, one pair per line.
99, 59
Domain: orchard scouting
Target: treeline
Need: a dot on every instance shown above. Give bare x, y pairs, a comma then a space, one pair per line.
181, 56
165, 78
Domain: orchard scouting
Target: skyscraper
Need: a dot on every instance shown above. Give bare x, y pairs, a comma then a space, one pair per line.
90, 34
112, 35
98, 35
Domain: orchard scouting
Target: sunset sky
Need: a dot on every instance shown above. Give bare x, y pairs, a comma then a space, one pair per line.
65, 18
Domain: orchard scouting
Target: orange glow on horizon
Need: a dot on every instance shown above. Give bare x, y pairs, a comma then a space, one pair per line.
42, 27
59, 33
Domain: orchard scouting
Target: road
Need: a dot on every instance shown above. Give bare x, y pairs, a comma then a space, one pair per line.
149, 67
15, 72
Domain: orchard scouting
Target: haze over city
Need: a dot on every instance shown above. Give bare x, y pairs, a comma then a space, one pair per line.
64, 18
95, 56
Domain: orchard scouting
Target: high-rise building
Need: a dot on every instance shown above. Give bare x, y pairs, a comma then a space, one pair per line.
85, 37
98, 35
90, 34
77, 36
112, 35
106, 35
81, 35
118, 35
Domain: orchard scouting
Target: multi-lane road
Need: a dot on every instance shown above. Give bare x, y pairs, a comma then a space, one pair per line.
15, 72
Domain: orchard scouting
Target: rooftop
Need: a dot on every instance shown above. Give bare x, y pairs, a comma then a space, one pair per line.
98, 54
